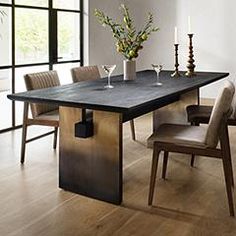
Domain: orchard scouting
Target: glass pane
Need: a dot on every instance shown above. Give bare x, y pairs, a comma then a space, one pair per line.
31, 36
64, 73
38, 3
5, 103
6, 1
68, 4
5, 36
20, 86
68, 36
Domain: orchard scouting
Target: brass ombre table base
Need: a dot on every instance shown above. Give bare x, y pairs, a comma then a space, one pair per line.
91, 166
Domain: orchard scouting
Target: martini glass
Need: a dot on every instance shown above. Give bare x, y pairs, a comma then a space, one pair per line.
158, 69
108, 70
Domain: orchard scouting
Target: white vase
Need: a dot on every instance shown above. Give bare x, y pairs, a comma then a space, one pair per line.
129, 70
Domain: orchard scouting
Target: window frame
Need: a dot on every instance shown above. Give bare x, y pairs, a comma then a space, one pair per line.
52, 45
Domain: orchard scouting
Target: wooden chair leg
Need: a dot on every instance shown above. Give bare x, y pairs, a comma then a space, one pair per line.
193, 156
55, 138
228, 186
132, 129
155, 159
231, 170
165, 162
24, 132
227, 171
227, 146
192, 160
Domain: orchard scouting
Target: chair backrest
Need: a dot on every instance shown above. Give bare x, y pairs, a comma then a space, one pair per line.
222, 107
39, 81
234, 107
84, 73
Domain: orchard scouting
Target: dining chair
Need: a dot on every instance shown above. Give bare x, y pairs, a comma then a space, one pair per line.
91, 73
200, 114
42, 114
198, 140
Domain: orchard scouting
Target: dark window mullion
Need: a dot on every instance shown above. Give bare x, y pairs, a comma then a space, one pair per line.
53, 52
31, 7
67, 10
81, 32
70, 61
50, 7
52, 33
5, 5
13, 63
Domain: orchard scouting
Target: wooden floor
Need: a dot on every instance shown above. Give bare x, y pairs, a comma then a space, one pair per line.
191, 202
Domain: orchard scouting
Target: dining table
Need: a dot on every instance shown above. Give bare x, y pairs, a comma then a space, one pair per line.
91, 147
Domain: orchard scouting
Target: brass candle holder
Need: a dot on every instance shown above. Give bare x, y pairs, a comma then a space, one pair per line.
176, 74
190, 66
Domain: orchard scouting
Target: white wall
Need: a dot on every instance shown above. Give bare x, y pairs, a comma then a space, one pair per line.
214, 25
101, 43
213, 22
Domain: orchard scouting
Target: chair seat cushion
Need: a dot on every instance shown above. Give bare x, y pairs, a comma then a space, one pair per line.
181, 134
54, 116
51, 115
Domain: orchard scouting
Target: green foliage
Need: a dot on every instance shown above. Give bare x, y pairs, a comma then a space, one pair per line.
129, 41
65, 33
2, 15
31, 35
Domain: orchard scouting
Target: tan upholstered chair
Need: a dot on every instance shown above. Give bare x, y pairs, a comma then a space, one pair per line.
91, 73
199, 114
85, 73
42, 114
198, 140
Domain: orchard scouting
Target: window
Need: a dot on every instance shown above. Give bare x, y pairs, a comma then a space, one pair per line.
36, 35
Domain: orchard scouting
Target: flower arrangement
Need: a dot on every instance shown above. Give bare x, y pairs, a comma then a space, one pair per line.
129, 41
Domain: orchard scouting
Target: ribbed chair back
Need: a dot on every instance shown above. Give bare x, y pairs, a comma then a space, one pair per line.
84, 73
41, 80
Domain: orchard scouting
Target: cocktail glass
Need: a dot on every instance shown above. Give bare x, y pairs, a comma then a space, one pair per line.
158, 69
109, 70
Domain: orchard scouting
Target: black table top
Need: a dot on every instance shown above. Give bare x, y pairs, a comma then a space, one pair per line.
126, 96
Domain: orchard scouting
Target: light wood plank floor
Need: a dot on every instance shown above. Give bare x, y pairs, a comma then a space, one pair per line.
191, 202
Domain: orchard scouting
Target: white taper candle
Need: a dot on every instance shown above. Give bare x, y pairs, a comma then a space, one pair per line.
176, 35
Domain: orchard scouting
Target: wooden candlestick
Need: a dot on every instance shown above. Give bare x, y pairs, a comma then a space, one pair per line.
190, 65
176, 74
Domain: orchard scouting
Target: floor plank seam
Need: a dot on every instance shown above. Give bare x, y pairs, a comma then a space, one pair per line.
42, 216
